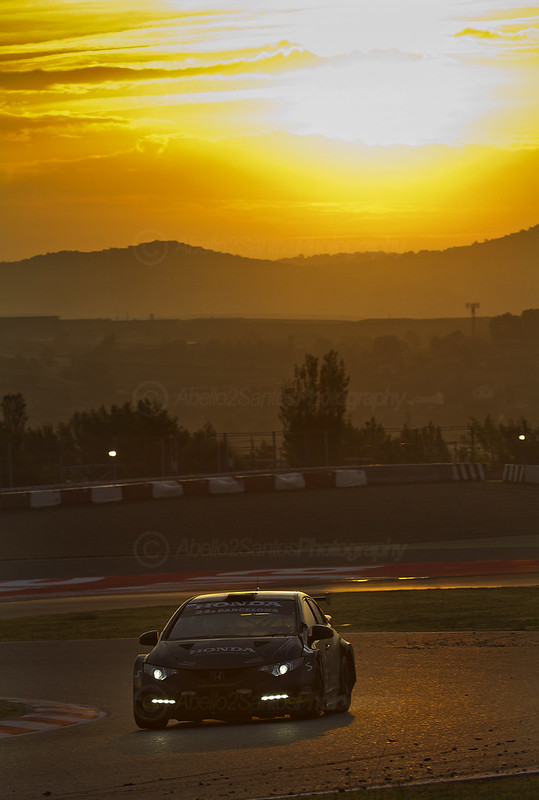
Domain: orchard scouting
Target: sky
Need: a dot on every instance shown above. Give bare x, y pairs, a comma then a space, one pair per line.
267, 128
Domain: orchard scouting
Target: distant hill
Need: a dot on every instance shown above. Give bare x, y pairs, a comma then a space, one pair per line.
170, 279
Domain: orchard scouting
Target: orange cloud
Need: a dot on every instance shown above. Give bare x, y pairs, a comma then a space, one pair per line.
121, 116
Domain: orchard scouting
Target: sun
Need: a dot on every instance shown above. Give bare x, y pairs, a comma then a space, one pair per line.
387, 100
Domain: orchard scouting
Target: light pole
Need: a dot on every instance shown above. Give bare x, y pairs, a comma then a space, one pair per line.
112, 456
522, 438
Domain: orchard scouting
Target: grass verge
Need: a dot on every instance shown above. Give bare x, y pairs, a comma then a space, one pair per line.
520, 787
502, 609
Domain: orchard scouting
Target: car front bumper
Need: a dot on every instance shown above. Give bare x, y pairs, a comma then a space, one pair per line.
192, 695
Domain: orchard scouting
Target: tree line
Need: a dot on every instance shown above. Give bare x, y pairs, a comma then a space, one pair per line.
143, 440
317, 430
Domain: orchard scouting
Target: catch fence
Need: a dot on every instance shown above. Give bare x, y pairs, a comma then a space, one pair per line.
123, 458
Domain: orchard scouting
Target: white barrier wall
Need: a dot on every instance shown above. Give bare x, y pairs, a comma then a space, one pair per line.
45, 498
166, 489
225, 485
106, 494
350, 477
311, 479
293, 480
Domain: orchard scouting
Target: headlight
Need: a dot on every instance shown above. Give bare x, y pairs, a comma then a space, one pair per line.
282, 668
159, 673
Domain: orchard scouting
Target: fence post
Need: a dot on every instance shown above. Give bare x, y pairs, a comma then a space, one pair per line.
202, 453
222, 466
61, 461
163, 465
9, 465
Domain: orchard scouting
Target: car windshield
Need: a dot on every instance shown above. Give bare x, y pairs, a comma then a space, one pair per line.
202, 619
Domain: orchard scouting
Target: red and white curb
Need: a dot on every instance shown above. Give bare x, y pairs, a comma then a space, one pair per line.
46, 716
195, 581
159, 489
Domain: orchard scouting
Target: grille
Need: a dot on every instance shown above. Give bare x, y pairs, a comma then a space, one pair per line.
215, 677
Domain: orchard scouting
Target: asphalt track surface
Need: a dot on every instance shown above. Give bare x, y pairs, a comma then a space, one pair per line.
426, 706
445, 522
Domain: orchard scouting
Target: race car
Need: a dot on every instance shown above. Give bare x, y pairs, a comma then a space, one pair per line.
241, 655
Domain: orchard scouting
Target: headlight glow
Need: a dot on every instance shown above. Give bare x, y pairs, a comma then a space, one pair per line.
282, 667
159, 673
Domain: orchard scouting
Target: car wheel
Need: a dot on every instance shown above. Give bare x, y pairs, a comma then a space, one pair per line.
315, 704
148, 715
346, 686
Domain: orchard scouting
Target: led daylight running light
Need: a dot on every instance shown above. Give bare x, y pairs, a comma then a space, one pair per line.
274, 697
162, 701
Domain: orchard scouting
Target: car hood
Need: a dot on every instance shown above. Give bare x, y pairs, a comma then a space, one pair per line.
223, 653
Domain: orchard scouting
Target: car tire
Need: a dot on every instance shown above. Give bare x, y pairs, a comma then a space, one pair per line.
315, 704
147, 717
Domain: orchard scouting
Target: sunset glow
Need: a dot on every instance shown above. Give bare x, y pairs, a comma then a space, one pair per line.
267, 128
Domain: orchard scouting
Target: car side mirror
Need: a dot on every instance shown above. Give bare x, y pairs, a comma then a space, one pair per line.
318, 632
150, 638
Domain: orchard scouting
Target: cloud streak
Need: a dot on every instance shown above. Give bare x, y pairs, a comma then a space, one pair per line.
38, 79
284, 119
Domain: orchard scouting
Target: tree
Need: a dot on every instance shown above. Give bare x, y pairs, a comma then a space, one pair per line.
12, 425
137, 434
14, 415
333, 392
313, 410
505, 327
423, 445
514, 442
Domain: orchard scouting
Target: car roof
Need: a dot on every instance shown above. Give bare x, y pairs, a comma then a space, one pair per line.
248, 595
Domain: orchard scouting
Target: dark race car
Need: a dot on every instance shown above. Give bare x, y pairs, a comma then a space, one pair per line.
241, 655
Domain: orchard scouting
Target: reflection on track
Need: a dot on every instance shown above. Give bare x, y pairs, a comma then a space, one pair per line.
200, 581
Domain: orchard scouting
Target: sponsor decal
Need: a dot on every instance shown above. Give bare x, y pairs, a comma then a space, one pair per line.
235, 607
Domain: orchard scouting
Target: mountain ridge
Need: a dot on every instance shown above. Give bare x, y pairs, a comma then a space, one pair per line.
169, 278
199, 249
